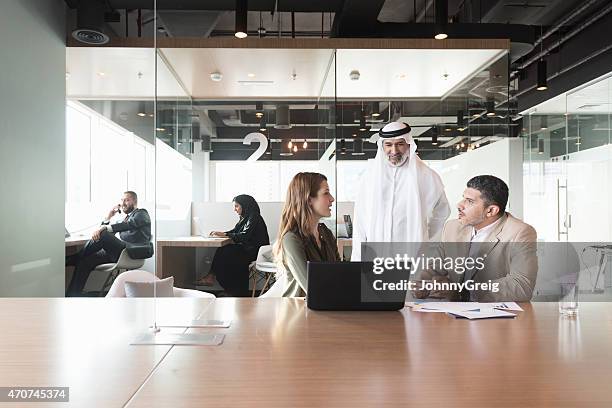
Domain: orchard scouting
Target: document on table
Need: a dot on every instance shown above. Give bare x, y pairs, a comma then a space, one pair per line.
483, 314
473, 309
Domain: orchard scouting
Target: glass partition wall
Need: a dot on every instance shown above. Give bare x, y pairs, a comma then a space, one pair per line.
206, 129
567, 164
253, 127
110, 149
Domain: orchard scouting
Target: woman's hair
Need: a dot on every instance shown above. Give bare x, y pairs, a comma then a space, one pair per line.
248, 204
297, 215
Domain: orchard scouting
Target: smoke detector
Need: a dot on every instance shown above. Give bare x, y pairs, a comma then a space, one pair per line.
354, 75
216, 76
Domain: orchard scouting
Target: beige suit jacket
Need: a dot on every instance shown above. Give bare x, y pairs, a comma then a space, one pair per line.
510, 260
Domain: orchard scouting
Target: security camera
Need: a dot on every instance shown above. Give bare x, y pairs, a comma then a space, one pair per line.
354, 75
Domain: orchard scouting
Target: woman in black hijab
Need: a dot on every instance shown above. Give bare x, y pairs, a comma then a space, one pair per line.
230, 264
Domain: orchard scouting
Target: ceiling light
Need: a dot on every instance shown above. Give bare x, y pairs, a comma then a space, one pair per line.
142, 110
295, 149
542, 83
462, 145
375, 110
358, 147
286, 150
490, 105
441, 23
253, 82
434, 136
259, 110
160, 129
67, 75
241, 19
100, 73
354, 75
305, 145
362, 122
290, 144
541, 146
460, 121
251, 75
216, 76
448, 129
402, 76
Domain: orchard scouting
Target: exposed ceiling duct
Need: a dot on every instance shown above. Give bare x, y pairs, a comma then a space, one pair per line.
283, 120
90, 22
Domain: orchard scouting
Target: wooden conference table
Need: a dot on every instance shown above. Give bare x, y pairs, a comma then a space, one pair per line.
277, 353
176, 257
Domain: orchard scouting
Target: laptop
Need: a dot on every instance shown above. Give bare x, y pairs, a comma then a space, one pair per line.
348, 286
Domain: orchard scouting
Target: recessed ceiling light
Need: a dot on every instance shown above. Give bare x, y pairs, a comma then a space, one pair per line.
101, 73
256, 82
160, 129
141, 114
441, 36
251, 75
216, 76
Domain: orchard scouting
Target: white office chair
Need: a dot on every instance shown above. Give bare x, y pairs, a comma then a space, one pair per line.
117, 289
124, 263
263, 268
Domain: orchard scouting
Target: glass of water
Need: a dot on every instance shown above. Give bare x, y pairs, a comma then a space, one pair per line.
568, 302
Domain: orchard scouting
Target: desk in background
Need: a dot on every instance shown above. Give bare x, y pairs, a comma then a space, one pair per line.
176, 257
76, 241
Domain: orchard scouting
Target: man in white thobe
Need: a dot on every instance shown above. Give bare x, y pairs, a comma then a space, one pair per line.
401, 198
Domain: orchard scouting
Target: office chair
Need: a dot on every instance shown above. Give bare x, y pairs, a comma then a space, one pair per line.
124, 263
117, 289
263, 268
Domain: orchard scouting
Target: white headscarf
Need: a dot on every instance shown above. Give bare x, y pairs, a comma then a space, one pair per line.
420, 189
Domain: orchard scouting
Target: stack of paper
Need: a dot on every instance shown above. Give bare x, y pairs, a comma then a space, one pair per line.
468, 310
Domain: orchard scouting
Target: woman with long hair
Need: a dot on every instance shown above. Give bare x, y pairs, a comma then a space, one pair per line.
230, 265
301, 237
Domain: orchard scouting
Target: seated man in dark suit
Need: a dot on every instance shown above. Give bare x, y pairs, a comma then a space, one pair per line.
105, 247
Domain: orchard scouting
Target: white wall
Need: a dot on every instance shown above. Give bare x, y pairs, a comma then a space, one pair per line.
503, 159
221, 217
32, 147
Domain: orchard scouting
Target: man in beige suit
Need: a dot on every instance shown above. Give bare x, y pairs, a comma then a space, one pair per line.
484, 229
